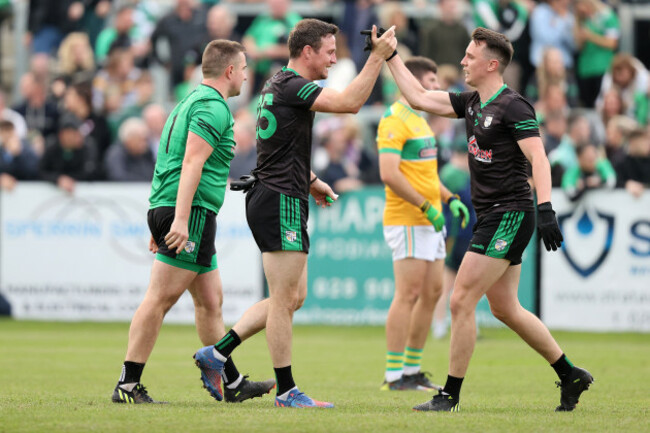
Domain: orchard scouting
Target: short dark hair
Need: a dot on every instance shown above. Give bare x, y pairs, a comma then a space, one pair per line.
421, 65
85, 91
582, 147
218, 55
497, 44
309, 31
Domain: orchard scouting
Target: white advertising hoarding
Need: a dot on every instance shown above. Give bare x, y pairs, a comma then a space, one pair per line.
600, 280
85, 256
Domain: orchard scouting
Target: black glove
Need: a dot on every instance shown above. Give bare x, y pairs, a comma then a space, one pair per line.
548, 227
368, 44
245, 183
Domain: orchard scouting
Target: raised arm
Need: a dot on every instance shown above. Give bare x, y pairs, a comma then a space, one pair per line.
356, 94
434, 101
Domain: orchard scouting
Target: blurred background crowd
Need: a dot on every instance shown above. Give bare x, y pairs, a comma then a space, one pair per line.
86, 85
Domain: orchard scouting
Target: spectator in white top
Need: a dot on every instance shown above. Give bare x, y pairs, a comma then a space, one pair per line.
632, 79
551, 25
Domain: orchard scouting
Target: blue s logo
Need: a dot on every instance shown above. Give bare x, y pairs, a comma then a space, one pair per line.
597, 229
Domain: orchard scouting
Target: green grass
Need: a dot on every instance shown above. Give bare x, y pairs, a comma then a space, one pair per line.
59, 377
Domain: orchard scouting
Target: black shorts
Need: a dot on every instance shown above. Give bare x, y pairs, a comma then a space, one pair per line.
503, 235
278, 222
199, 254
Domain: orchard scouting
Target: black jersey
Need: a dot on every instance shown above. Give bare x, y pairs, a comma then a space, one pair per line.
498, 167
284, 129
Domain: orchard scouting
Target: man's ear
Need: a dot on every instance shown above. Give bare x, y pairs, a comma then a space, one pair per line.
493, 65
308, 51
230, 70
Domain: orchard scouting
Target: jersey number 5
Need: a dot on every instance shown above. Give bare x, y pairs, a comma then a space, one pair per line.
263, 113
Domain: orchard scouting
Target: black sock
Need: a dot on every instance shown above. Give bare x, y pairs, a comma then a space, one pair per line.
131, 372
230, 372
227, 344
452, 387
284, 379
562, 367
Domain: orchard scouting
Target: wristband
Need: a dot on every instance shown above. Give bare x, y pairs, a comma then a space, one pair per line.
452, 198
313, 180
425, 206
392, 55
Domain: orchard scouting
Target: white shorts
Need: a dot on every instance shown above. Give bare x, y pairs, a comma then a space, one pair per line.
418, 242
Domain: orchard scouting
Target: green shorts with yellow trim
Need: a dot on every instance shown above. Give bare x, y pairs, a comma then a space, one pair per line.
503, 235
199, 254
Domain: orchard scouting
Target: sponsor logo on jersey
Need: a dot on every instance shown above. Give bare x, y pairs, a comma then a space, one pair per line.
500, 245
470, 111
488, 121
290, 236
189, 247
478, 246
479, 154
428, 152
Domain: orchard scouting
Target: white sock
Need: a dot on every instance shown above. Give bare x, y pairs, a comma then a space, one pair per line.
128, 386
393, 375
219, 356
236, 383
410, 371
286, 394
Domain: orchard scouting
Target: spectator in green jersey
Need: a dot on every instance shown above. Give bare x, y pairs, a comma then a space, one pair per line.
597, 32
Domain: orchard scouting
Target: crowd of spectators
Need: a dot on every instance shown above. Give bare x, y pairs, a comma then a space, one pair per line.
85, 110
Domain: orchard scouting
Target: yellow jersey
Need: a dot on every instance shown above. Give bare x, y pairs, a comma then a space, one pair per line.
404, 132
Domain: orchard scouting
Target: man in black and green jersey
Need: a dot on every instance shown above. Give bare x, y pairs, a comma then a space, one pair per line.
277, 206
186, 194
503, 137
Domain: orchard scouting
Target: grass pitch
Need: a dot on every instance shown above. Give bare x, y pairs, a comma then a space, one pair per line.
60, 376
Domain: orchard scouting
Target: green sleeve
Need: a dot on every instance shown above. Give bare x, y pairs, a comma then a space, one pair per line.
103, 44
612, 22
641, 108
570, 178
292, 19
606, 171
210, 120
453, 178
522, 14
255, 27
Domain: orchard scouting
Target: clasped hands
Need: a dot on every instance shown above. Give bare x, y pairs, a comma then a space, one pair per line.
381, 42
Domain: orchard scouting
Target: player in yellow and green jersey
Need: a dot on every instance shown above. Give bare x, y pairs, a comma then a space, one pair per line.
413, 229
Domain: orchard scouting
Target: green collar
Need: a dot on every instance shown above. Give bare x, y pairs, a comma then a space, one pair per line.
218, 92
408, 108
284, 68
483, 105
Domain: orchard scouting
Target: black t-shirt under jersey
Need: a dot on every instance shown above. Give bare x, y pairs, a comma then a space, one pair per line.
284, 130
498, 167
